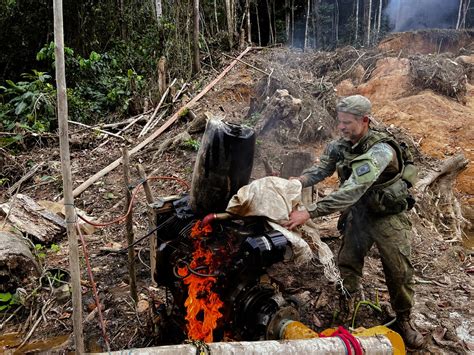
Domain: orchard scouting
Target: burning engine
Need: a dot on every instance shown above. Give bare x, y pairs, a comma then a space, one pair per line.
214, 270
215, 274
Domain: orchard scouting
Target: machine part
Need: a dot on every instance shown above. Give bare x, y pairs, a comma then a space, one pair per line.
223, 165
265, 250
160, 201
259, 311
280, 320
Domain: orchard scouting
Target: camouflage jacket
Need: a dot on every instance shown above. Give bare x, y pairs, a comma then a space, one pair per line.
369, 163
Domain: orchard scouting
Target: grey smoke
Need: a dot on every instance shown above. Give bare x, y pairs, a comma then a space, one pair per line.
405, 15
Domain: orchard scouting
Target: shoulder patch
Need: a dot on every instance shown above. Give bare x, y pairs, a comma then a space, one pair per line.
363, 169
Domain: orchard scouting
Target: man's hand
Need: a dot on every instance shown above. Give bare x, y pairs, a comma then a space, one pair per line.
297, 218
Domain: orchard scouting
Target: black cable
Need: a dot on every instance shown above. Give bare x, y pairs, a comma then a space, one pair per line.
123, 250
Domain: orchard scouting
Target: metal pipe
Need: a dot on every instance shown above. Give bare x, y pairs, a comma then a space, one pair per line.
374, 345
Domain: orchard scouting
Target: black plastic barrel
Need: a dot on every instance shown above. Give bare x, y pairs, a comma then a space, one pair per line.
224, 164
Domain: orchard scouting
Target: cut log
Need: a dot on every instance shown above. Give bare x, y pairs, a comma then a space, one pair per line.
30, 218
283, 109
449, 165
17, 263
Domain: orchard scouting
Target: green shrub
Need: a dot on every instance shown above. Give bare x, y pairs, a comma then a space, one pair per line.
29, 104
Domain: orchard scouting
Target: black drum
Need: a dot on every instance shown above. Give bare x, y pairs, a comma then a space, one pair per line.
224, 164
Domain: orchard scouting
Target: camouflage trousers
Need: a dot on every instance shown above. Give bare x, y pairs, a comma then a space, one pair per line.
391, 235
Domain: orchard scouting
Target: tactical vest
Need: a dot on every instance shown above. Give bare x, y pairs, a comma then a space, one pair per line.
389, 194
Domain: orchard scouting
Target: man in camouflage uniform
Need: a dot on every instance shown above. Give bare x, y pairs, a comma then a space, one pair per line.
373, 197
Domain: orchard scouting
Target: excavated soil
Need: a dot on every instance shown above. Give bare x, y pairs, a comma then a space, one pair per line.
438, 125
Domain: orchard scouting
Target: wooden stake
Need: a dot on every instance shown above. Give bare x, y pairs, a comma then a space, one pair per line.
151, 138
151, 221
129, 226
67, 178
162, 75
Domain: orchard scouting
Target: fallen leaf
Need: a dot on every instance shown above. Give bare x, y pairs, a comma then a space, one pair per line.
142, 306
65, 315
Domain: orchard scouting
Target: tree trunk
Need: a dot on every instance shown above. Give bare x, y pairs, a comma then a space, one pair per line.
467, 4
292, 22
274, 21
369, 17
196, 59
308, 6
336, 21
318, 24
258, 25
379, 24
271, 39
357, 21
458, 22
123, 31
399, 13
230, 23
249, 25
287, 20
158, 10
215, 15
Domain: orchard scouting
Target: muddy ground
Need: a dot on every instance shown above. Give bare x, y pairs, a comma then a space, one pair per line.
444, 286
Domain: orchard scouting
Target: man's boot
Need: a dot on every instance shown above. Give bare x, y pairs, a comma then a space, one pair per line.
411, 336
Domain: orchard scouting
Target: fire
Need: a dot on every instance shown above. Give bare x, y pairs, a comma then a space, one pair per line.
202, 304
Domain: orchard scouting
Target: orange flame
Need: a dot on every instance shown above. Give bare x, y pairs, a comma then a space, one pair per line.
202, 304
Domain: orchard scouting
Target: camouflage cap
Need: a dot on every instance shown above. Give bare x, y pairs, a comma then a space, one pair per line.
356, 104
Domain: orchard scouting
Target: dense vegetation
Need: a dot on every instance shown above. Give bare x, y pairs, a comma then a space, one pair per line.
113, 46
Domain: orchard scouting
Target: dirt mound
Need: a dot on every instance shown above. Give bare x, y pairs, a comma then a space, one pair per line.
428, 41
440, 74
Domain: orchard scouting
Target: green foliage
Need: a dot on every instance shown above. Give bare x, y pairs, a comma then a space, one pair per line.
56, 278
98, 84
40, 251
30, 103
55, 248
192, 144
7, 300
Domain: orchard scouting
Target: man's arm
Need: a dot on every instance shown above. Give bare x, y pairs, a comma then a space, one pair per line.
324, 169
366, 169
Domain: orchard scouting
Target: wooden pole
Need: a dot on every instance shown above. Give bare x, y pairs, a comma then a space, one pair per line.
129, 226
152, 221
78, 190
67, 178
